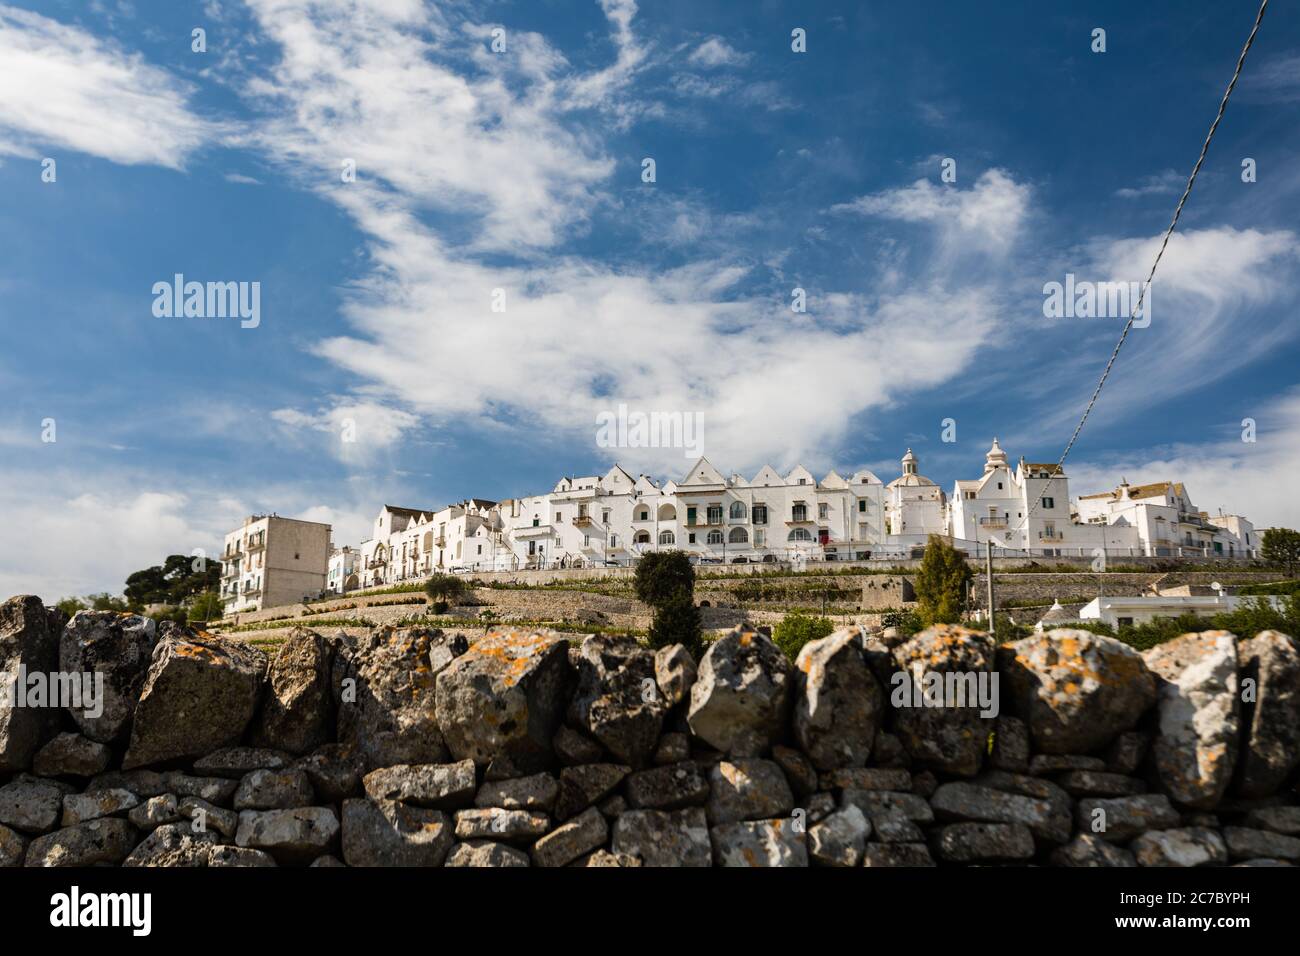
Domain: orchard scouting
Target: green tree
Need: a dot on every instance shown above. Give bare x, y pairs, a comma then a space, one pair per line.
444, 590
1281, 546
106, 602
677, 621
71, 605
206, 607
796, 629
942, 583
664, 575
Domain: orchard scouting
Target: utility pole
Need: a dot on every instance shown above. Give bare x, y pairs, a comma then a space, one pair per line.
988, 574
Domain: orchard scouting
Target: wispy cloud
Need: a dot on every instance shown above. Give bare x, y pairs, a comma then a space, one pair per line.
61, 87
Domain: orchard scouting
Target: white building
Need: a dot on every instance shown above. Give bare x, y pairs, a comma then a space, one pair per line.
999, 507
410, 543
1167, 524
272, 561
342, 575
914, 505
1122, 611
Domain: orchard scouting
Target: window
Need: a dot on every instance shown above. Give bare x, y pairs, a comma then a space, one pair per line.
1049, 502
799, 513
999, 486
803, 481
715, 514
667, 537
643, 514
690, 514
641, 537
715, 537
738, 511
604, 516
799, 534
1125, 621
862, 505
760, 514
613, 541
738, 536
690, 538
823, 511
558, 519
760, 539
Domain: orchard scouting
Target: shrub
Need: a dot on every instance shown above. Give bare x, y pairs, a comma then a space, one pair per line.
941, 583
906, 621
796, 630
445, 589
662, 576
677, 621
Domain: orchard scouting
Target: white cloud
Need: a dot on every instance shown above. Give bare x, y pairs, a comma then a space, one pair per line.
715, 52
989, 213
1244, 478
62, 88
357, 428
1169, 182
241, 179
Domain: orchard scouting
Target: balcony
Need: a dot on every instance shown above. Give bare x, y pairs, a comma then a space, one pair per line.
256, 546
1050, 536
993, 522
800, 518
583, 521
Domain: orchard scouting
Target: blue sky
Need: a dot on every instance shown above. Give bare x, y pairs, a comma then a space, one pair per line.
521, 170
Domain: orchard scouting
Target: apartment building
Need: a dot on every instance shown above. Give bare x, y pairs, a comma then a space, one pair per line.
271, 561
1167, 524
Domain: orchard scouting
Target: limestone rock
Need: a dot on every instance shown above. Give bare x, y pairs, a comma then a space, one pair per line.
1099, 783
240, 856
204, 817
667, 788
840, 839
235, 762
747, 789
966, 801
119, 646
387, 707
1199, 716
898, 854
30, 804
537, 792
439, 786
298, 713
505, 696
978, 842
893, 827
573, 748
672, 748
1010, 744
1087, 849
71, 755
155, 812
199, 696
493, 823
567, 842
29, 644
1271, 722
580, 787
839, 704
659, 838
798, 770
874, 803
1278, 819
759, 843
1190, 846
742, 696
13, 847
1075, 689
603, 858
616, 700
1126, 752
867, 778
334, 771
99, 841
1120, 818
81, 807
273, 790
944, 735
298, 835
675, 671
1245, 843
485, 853
173, 845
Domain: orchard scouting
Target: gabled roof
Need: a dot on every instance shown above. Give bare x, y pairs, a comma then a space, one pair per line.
407, 512
797, 472
767, 476
833, 480
616, 477
864, 476
738, 481
702, 473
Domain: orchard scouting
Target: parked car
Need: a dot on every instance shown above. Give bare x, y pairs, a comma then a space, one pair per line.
769, 559
740, 560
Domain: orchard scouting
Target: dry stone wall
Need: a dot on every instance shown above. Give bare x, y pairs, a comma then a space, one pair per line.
415, 747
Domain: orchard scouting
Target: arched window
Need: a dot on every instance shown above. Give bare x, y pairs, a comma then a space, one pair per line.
738, 510
667, 513
799, 534
738, 536
715, 537
667, 537
642, 537
642, 514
